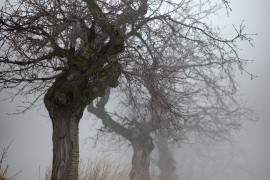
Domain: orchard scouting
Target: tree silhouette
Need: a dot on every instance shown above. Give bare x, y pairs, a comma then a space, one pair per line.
70, 52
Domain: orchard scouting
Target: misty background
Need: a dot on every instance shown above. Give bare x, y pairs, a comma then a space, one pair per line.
31, 132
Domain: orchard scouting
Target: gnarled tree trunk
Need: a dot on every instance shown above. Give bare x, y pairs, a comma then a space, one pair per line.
142, 148
65, 107
66, 143
65, 101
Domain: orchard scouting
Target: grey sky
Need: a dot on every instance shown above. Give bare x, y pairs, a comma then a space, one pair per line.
255, 138
31, 131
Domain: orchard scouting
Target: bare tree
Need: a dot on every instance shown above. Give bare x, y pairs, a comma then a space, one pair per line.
138, 135
65, 50
143, 124
71, 51
187, 89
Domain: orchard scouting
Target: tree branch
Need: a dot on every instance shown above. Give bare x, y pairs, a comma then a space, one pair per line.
107, 121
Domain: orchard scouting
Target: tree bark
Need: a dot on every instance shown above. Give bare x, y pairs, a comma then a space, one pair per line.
142, 148
65, 101
65, 105
166, 162
66, 144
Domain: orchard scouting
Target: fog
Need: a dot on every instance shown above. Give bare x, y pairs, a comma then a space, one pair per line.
246, 157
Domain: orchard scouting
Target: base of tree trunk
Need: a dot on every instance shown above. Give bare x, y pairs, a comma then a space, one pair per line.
141, 160
65, 148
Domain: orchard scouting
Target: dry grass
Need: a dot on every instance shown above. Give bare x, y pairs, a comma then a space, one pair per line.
2, 176
3, 173
4, 169
3, 156
103, 169
99, 169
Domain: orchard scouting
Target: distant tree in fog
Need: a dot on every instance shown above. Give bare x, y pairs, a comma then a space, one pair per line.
161, 54
188, 90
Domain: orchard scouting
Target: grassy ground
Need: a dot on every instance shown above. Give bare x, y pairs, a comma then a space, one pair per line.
100, 168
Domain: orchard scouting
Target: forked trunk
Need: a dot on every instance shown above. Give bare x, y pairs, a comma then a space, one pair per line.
141, 159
